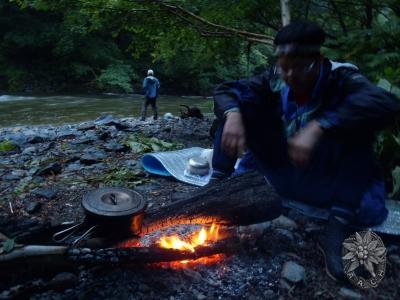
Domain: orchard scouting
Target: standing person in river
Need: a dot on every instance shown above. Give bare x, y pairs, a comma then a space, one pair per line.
310, 124
151, 86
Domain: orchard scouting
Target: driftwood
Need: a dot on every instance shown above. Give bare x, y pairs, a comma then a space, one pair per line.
238, 201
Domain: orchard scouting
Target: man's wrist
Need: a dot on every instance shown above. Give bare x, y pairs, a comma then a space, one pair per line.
231, 110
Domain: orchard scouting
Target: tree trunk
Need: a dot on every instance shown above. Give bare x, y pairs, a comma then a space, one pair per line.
285, 12
242, 200
368, 14
339, 16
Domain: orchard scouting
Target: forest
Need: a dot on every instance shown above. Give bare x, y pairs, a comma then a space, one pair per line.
107, 45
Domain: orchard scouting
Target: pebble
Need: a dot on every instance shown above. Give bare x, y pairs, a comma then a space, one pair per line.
350, 294
284, 222
32, 206
64, 280
196, 276
293, 272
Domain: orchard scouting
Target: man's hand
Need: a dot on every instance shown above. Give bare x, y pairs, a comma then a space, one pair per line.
303, 143
233, 135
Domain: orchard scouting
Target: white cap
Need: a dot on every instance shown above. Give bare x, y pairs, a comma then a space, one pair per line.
150, 72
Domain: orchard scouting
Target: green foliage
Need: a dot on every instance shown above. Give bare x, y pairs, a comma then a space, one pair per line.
124, 178
116, 76
7, 145
8, 246
142, 144
24, 185
383, 83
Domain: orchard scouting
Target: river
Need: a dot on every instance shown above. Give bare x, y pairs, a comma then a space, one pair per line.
61, 109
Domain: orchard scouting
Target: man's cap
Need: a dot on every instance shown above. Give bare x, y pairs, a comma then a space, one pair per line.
150, 72
299, 38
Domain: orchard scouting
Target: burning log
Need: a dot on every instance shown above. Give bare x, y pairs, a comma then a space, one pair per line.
238, 201
118, 255
153, 254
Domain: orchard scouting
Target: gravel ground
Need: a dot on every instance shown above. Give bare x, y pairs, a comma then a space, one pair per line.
282, 263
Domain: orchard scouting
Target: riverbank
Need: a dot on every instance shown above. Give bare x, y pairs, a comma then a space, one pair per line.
50, 168
74, 108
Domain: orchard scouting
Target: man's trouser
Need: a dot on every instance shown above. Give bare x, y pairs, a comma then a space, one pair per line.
342, 175
147, 102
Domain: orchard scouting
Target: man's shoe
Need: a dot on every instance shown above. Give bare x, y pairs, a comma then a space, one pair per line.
330, 243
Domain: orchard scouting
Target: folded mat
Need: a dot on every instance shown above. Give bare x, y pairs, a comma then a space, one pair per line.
174, 163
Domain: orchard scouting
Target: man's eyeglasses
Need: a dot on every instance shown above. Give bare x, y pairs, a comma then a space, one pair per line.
299, 69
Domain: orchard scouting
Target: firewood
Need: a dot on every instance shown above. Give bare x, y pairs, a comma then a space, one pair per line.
237, 201
153, 254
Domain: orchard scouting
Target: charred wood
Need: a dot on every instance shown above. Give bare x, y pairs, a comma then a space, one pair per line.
237, 201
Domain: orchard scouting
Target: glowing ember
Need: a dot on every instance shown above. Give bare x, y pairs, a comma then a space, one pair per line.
207, 260
196, 239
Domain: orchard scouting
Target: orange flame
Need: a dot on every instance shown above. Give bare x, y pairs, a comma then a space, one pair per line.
197, 239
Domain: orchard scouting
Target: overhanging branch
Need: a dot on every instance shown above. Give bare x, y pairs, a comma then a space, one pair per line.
208, 28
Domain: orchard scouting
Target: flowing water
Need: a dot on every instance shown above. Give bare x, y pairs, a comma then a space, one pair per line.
61, 109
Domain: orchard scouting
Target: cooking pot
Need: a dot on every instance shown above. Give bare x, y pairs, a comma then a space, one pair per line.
118, 211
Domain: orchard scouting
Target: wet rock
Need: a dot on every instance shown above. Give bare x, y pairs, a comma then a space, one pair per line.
168, 116
10, 177
293, 272
19, 173
73, 167
199, 296
48, 193
284, 222
350, 294
116, 147
29, 150
51, 169
64, 280
104, 120
32, 206
285, 234
36, 139
269, 294
131, 163
83, 140
103, 135
86, 126
119, 125
46, 147
251, 233
92, 157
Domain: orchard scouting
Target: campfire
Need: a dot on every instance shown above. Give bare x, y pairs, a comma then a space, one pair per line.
215, 212
189, 243
203, 237
200, 238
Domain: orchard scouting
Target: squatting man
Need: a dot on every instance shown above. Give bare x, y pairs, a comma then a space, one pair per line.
308, 124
